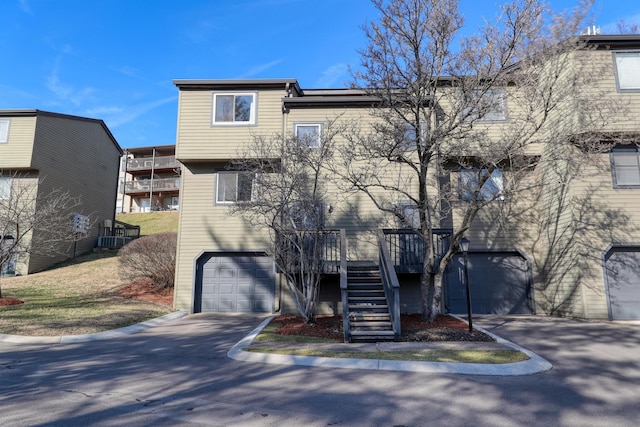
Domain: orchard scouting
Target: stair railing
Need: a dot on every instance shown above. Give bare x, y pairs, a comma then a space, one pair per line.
346, 325
390, 283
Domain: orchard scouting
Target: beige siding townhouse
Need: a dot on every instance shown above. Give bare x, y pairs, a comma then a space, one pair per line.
571, 249
59, 152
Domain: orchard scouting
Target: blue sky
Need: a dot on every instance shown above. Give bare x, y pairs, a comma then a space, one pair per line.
116, 59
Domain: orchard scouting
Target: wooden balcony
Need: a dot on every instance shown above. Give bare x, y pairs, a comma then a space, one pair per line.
407, 250
149, 163
159, 185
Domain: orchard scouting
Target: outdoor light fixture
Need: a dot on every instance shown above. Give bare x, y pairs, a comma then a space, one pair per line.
464, 246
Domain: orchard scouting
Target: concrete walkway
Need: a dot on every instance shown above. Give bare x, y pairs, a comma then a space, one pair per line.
534, 365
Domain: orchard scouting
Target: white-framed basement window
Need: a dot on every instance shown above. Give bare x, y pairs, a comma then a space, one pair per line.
309, 134
234, 109
627, 69
4, 131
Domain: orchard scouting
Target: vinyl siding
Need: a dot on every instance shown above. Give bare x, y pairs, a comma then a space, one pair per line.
17, 152
199, 140
79, 157
205, 226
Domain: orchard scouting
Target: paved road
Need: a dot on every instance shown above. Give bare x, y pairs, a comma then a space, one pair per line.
178, 374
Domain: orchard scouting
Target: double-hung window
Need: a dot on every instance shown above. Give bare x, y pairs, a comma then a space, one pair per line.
4, 131
309, 134
233, 187
469, 181
627, 65
490, 106
234, 108
625, 167
5, 187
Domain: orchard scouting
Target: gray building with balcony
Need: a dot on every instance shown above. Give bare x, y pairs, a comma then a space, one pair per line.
149, 180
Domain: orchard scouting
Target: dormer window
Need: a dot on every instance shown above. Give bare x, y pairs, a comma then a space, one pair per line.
234, 108
627, 67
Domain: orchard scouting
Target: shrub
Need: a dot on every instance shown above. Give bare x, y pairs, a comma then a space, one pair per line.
151, 256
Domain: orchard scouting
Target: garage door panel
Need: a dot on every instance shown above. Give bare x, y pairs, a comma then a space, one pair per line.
235, 283
226, 288
500, 284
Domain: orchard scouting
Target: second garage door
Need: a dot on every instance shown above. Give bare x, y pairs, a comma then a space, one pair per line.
233, 283
500, 284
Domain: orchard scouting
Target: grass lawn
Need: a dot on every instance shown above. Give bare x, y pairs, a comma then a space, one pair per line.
451, 356
152, 222
76, 297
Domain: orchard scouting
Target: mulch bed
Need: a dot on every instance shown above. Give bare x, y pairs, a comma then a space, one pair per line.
445, 328
146, 290
6, 301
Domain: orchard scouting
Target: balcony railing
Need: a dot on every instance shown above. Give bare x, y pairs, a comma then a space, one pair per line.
160, 162
407, 249
160, 184
318, 250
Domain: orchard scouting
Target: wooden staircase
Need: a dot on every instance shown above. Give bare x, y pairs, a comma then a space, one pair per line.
369, 315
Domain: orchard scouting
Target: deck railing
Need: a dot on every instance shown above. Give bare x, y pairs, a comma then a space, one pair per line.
346, 324
159, 184
390, 283
317, 249
407, 249
160, 162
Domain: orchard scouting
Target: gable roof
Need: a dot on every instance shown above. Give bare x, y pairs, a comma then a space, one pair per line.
36, 112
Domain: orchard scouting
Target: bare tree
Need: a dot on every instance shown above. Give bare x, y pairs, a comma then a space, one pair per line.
31, 225
625, 27
281, 188
440, 128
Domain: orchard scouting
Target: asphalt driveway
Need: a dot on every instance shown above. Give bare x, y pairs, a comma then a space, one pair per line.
178, 374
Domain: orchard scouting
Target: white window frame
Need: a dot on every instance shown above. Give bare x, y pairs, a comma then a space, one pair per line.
484, 195
252, 111
5, 187
500, 115
4, 130
319, 126
631, 151
627, 70
235, 200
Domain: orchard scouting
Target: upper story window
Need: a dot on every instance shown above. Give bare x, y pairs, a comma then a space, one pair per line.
625, 167
490, 106
234, 108
627, 65
309, 134
4, 131
469, 180
232, 187
5, 187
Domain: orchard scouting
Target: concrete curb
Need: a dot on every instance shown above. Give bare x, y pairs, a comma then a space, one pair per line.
534, 365
73, 339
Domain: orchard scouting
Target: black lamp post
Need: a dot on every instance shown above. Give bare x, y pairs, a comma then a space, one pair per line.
464, 246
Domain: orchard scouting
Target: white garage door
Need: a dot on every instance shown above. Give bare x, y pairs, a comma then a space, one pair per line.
234, 283
623, 283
